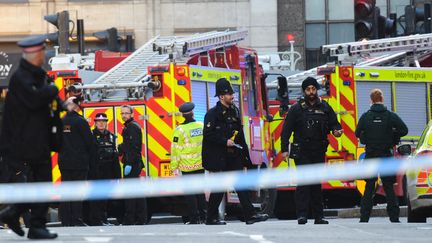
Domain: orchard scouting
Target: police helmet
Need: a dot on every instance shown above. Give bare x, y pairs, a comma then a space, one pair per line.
223, 87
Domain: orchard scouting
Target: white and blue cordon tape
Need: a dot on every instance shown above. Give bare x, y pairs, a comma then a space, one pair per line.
215, 182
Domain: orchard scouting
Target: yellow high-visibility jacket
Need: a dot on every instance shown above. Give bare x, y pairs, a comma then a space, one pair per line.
186, 147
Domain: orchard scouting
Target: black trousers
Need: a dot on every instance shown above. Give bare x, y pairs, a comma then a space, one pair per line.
71, 213
196, 203
135, 208
98, 208
244, 196
34, 171
366, 203
309, 195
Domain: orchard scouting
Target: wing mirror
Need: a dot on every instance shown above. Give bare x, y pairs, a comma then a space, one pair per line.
404, 149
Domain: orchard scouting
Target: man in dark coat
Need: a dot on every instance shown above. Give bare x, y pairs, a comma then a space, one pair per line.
311, 119
75, 159
379, 129
26, 132
135, 209
224, 149
107, 165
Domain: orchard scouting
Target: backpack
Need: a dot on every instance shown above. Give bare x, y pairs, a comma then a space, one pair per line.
378, 129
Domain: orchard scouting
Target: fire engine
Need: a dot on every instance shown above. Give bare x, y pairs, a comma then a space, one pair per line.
165, 73
400, 67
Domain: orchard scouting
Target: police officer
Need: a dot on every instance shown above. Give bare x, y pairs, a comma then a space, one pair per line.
107, 165
186, 156
135, 209
76, 158
25, 134
379, 129
224, 149
311, 119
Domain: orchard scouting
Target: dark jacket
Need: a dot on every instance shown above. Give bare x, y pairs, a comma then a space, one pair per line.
79, 146
311, 124
220, 123
380, 129
25, 132
107, 156
132, 144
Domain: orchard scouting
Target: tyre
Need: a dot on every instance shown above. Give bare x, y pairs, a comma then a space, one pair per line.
415, 216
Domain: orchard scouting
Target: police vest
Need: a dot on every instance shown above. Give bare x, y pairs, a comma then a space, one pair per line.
315, 122
378, 130
186, 147
105, 147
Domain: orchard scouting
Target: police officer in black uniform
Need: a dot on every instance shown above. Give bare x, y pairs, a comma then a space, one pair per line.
107, 165
311, 119
76, 158
224, 149
135, 209
25, 134
379, 129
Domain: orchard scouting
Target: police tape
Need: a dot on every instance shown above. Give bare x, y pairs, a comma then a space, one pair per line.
215, 182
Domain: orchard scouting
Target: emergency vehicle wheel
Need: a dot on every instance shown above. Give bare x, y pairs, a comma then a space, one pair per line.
267, 201
415, 216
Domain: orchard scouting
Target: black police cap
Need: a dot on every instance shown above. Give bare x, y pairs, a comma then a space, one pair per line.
32, 43
223, 87
187, 107
101, 117
310, 81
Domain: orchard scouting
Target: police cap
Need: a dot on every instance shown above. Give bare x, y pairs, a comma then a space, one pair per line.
101, 117
310, 81
223, 87
186, 107
32, 43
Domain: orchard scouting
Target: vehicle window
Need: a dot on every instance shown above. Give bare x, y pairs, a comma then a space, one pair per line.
422, 137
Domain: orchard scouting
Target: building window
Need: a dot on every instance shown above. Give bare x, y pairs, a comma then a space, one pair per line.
326, 24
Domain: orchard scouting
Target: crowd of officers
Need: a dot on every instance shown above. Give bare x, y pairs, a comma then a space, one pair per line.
93, 155
27, 137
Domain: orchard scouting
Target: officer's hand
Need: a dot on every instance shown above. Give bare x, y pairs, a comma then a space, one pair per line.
285, 155
230, 143
127, 170
338, 133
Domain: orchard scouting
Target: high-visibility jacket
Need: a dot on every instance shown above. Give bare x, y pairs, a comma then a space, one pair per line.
186, 147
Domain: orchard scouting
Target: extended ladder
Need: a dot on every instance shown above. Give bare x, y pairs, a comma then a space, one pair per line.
134, 67
198, 43
413, 43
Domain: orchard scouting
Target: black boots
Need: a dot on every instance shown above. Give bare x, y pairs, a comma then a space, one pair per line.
303, 220
257, 218
40, 233
10, 217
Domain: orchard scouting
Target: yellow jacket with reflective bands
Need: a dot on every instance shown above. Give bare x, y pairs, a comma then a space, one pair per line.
186, 147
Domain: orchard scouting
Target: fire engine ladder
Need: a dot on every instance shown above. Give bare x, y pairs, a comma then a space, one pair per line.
199, 43
133, 68
412, 43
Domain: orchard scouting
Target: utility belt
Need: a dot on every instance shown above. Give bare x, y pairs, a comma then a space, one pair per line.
297, 148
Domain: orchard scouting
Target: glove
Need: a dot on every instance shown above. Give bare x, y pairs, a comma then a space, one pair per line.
127, 170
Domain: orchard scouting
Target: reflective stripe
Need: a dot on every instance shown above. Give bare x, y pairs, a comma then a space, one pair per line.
189, 145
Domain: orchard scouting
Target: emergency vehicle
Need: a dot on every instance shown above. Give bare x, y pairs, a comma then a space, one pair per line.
165, 73
400, 67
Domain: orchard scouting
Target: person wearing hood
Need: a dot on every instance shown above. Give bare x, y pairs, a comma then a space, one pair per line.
311, 120
379, 129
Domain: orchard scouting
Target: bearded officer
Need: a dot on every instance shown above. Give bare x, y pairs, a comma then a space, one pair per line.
311, 119
225, 149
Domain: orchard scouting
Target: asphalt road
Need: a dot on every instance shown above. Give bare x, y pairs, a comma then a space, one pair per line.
339, 230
